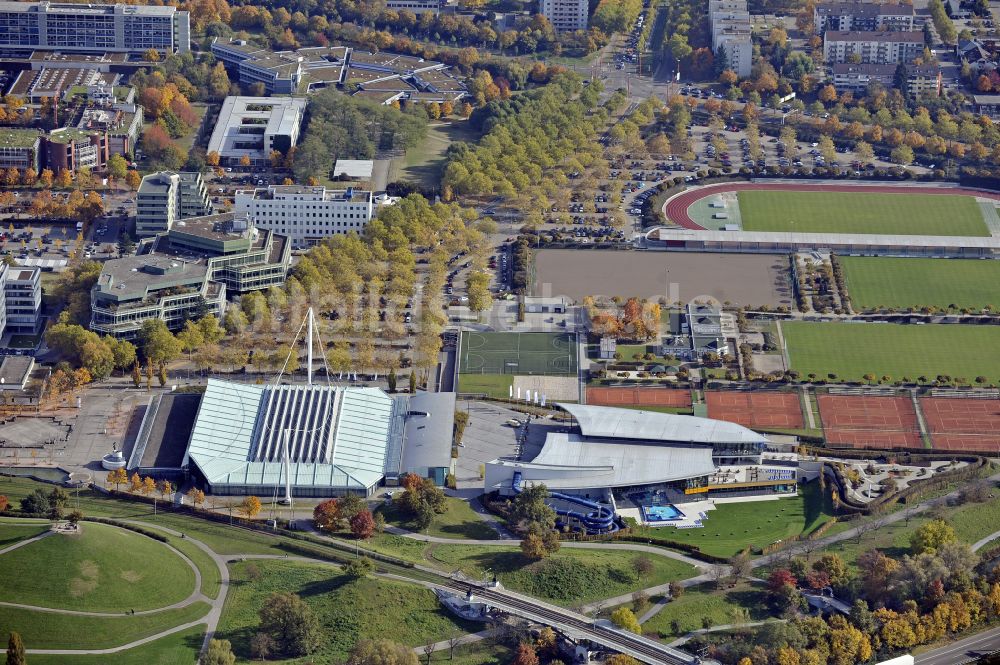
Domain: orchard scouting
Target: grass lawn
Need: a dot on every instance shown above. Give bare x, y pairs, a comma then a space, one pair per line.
733, 526
494, 385
347, 609
101, 569
896, 350
704, 601
424, 163
181, 647
11, 533
569, 577
211, 577
459, 522
45, 630
862, 212
893, 282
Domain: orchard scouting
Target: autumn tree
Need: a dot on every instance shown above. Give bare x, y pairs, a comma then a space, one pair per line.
195, 496
15, 650
625, 619
250, 507
932, 535
220, 652
117, 477
362, 524
291, 624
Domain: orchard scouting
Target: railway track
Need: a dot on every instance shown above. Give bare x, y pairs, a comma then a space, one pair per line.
641, 648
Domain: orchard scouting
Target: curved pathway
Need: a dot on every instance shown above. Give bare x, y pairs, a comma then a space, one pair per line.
676, 207
980, 544
22, 543
515, 542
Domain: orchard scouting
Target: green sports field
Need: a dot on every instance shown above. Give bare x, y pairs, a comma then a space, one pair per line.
547, 354
851, 350
861, 212
892, 282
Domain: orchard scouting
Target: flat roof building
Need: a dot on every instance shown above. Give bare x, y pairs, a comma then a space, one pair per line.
306, 214
256, 126
353, 169
185, 273
867, 16
165, 197
94, 27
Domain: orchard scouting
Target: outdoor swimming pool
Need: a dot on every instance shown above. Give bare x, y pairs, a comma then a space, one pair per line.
665, 513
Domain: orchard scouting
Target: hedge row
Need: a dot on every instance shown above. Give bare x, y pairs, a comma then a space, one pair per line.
129, 527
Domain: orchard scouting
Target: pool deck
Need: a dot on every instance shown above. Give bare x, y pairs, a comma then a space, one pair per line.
693, 512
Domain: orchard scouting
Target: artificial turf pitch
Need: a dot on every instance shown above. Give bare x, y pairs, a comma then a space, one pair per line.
861, 213
851, 350
547, 354
899, 283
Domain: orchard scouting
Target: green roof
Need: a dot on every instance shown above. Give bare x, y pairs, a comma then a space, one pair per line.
17, 138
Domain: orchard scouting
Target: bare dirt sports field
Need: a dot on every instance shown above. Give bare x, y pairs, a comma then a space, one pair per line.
738, 278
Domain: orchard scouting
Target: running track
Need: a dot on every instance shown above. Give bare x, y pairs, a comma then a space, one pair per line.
676, 209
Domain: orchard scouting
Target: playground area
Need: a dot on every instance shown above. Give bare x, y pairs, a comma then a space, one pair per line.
756, 409
857, 421
548, 354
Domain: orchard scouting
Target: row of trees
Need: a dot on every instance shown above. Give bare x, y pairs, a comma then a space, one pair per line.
350, 510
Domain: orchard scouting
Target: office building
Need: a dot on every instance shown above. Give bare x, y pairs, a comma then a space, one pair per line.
253, 127
730, 21
20, 149
565, 15
879, 48
72, 149
22, 290
165, 197
186, 273
90, 28
306, 214
863, 16
988, 105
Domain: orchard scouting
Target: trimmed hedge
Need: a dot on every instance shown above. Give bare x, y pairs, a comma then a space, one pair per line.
128, 527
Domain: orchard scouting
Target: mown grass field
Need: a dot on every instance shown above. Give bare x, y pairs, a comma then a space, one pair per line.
893, 282
347, 609
861, 212
47, 630
102, 569
895, 350
702, 602
460, 521
12, 532
494, 385
180, 647
569, 577
731, 527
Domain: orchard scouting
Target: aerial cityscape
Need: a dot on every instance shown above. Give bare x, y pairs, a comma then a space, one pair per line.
500, 332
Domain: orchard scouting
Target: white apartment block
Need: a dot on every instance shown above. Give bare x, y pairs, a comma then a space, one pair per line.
863, 16
880, 48
306, 214
730, 21
415, 6
565, 15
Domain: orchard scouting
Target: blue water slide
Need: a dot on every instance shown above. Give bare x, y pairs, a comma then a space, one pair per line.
597, 519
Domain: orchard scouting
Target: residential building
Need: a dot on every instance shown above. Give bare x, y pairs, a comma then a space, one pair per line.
20, 149
856, 78
94, 27
253, 127
730, 22
186, 273
306, 214
22, 290
988, 105
565, 15
415, 6
878, 48
165, 197
923, 81
863, 16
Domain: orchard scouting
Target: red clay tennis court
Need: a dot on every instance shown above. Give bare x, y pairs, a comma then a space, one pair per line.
962, 424
869, 422
755, 409
620, 396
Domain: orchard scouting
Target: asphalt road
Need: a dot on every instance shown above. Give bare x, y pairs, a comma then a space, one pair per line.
962, 651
